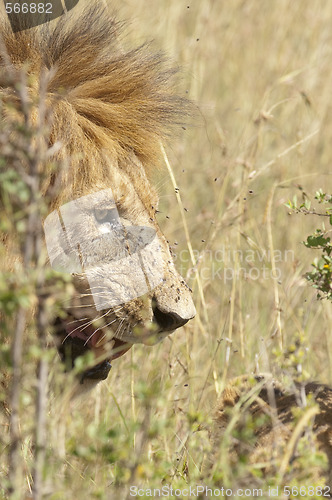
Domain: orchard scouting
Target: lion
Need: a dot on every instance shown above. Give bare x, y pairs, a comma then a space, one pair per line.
272, 411
110, 109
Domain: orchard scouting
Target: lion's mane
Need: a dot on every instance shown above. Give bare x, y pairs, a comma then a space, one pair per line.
104, 98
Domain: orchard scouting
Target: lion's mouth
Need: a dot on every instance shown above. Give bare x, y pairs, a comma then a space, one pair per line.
78, 337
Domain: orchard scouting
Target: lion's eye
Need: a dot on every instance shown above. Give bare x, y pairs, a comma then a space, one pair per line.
109, 215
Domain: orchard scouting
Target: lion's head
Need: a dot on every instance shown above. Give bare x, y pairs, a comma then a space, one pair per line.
110, 110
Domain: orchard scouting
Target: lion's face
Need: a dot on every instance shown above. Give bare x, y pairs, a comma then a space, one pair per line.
127, 289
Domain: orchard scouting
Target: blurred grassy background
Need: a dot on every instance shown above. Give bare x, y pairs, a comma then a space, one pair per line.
260, 73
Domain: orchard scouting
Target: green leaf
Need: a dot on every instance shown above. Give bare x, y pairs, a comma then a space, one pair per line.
316, 241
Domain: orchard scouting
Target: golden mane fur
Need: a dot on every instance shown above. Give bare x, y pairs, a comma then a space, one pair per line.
106, 101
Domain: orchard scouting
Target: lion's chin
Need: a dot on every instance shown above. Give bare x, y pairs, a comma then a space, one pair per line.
77, 339
101, 370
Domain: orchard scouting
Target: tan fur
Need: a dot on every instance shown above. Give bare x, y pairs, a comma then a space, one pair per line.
110, 110
269, 408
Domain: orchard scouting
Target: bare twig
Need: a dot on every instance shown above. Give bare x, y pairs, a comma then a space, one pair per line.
15, 438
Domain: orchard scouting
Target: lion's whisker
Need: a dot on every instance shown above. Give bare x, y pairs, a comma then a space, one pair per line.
105, 326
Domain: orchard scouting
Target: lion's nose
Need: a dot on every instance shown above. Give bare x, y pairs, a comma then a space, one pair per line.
168, 320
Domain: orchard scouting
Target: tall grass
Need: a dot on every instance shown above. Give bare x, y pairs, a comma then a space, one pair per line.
260, 72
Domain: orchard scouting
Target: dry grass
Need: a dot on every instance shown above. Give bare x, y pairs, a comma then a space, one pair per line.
261, 75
